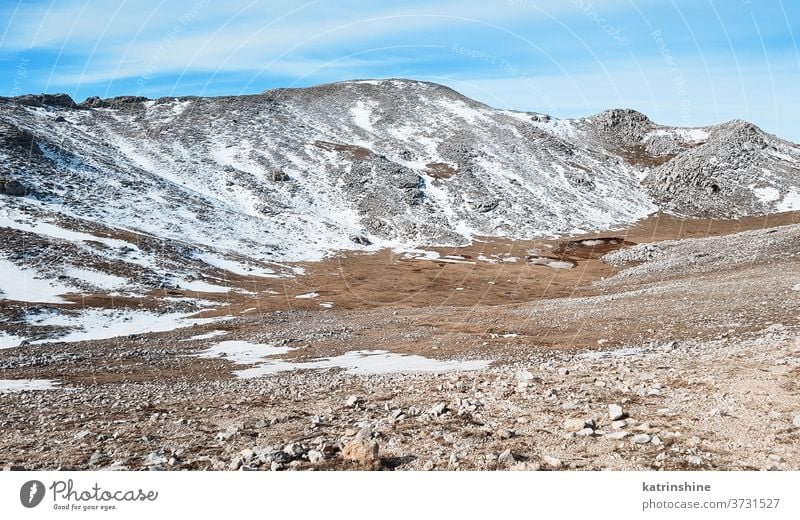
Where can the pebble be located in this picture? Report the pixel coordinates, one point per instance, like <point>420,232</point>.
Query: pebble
<point>641,438</point>
<point>352,401</point>
<point>796,421</point>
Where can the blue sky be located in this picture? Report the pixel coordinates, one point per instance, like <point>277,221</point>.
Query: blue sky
<point>681,62</point>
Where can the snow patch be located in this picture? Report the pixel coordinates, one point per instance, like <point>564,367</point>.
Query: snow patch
<point>209,335</point>
<point>26,285</point>
<point>95,324</point>
<point>243,352</point>
<point>8,386</point>
<point>367,362</point>
<point>790,202</point>
<point>96,278</point>
<point>767,194</point>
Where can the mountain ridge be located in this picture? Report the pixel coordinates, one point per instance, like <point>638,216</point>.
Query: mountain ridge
<point>296,174</point>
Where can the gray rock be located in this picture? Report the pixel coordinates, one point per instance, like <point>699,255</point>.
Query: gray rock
<point>574,425</point>
<point>796,421</point>
<point>507,458</point>
<point>352,401</point>
<point>551,461</point>
<point>315,457</point>
<point>14,188</point>
<point>155,459</point>
<point>641,438</point>
<point>438,409</point>
<point>615,412</point>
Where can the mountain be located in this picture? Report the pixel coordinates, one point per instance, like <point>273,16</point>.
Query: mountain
<point>173,187</point>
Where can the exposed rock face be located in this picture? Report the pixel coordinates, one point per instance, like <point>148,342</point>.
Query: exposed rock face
<point>45,100</point>
<point>738,171</point>
<point>292,173</point>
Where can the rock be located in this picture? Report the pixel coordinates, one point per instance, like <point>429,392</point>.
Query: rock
<point>618,425</point>
<point>82,434</point>
<point>14,188</point>
<point>155,459</point>
<point>352,401</point>
<point>294,449</point>
<point>615,412</point>
<point>39,100</point>
<point>506,458</point>
<point>235,464</point>
<point>526,466</point>
<point>365,433</point>
<point>615,436</point>
<point>553,462</point>
<point>506,433</point>
<point>438,409</point>
<point>227,434</point>
<point>247,455</point>
<point>96,458</point>
<point>279,176</point>
<point>585,432</point>
<point>361,240</point>
<point>796,421</point>
<point>575,425</point>
<point>694,460</point>
<point>641,438</point>
<point>360,451</point>
<point>315,457</point>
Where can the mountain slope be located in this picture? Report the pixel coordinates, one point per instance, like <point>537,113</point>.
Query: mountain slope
<point>291,174</point>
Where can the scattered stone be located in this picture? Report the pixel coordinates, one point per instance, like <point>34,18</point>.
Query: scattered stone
<point>796,421</point>
<point>615,436</point>
<point>551,461</point>
<point>616,413</point>
<point>506,458</point>
<point>506,434</point>
<point>438,409</point>
<point>315,457</point>
<point>352,401</point>
<point>641,438</point>
<point>361,451</point>
<point>155,459</point>
<point>694,460</point>
<point>574,425</point>
<point>618,425</point>
<point>96,458</point>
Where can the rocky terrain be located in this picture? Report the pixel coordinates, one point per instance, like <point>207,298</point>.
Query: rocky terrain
<point>388,275</point>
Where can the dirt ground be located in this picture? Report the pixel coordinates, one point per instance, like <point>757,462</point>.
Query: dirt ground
<point>700,351</point>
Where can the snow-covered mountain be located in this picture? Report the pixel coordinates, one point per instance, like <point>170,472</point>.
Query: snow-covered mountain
<point>239,183</point>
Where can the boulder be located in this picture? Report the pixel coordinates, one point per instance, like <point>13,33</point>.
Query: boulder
<point>13,188</point>
<point>361,451</point>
